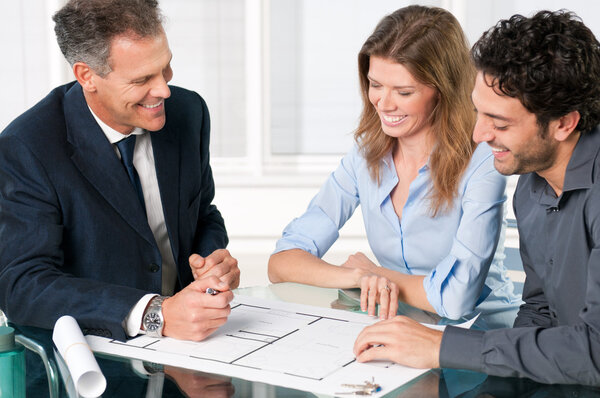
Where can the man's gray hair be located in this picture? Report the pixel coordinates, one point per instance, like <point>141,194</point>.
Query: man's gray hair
<point>85,28</point>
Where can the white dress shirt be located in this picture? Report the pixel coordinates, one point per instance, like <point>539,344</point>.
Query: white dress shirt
<point>143,160</point>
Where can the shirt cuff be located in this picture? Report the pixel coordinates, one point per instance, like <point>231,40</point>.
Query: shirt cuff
<point>462,349</point>
<point>133,321</point>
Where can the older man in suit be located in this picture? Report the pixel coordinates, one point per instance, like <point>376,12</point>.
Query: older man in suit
<point>106,189</point>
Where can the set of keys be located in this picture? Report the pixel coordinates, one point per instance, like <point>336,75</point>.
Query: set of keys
<point>364,389</point>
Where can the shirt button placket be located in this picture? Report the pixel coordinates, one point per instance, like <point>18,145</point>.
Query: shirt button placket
<point>551,230</point>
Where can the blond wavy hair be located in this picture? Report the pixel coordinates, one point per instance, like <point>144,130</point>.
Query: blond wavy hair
<point>430,43</point>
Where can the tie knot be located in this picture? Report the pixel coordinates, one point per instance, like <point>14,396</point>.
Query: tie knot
<point>126,146</point>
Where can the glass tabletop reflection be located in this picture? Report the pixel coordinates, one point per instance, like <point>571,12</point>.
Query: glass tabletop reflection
<point>134,378</point>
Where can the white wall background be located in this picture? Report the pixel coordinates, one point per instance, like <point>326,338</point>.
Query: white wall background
<point>279,77</point>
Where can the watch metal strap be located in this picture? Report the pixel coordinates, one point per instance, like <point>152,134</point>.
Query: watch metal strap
<point>155,306</point>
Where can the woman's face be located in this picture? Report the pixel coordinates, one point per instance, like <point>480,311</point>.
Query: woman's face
<point>404,105</point>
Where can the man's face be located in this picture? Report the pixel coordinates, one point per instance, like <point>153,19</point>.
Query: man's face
<point>518,143</point>
<point>133,93</point>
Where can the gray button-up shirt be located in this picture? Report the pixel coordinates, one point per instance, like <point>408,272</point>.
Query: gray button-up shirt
<point>556,338</point>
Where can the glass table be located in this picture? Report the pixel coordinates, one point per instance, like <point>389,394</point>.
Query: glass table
<point>132,378</point>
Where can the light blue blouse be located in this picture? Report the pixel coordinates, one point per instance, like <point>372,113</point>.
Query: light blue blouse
<point>454,250</point>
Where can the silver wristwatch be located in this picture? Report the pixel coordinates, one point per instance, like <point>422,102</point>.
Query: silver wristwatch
<point>153,318</point>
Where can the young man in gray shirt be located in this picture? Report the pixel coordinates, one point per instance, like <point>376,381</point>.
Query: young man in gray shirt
<point>537,98</point>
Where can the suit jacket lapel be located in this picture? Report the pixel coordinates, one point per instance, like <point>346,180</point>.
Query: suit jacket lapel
<point>96,159</point>
<point>165,145</point>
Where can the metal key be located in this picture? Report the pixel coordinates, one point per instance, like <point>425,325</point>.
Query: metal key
<point>366,388</point>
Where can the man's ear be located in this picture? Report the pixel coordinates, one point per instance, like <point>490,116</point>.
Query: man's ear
<point>85,76</point>
<point>565,125</point>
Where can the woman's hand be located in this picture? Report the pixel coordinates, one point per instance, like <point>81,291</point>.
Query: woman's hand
<point>375,289</point>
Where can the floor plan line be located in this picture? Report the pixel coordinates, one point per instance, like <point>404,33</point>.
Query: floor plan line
<point>322,317</point>
<point>258,334</point>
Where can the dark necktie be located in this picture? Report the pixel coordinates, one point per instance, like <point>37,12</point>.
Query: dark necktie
<point>126,147</point>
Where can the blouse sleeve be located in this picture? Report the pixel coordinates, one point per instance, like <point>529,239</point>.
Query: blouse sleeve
<point>457,284</point>
<point>317,229</point>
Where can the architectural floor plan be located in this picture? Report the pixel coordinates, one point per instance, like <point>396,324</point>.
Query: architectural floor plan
<point>291,345</point>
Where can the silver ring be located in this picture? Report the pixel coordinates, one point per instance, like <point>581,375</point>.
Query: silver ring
<point>387,288</point>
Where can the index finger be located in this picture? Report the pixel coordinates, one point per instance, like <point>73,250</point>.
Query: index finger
<point>372,297</point>
<point>364,290</point>
<point>384,302</point>
<point>393,300</point>
<point>210,281</point>
<point>372,335</point>
<point>364,340</point>
<point>219,301</point>
<point>372,353</point>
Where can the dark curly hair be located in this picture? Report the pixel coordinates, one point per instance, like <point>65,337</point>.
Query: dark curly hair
<point>550,62</point>
<point>85,28</point>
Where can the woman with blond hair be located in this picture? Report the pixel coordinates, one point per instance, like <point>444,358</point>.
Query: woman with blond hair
<point>432,202</point>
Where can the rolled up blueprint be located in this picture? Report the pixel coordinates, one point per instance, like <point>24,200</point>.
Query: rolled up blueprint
<point>85,372</point>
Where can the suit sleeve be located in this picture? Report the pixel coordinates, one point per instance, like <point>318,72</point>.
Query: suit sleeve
<point>34,288</point>
<point>210,232</point>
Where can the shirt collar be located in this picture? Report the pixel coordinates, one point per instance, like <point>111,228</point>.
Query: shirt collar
<point>111,134</point>
<point>580,169</point>
<point>389,163</point>
<point>389,177</point>
<point>579,173</point>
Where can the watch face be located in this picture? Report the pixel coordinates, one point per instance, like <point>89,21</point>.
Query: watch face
<point>152,322</point>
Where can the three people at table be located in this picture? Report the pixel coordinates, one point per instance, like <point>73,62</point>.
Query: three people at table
<point>78,239</point>
<point>432,202</point>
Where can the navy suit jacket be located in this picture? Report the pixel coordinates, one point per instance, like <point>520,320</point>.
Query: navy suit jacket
<point>73,238</point>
